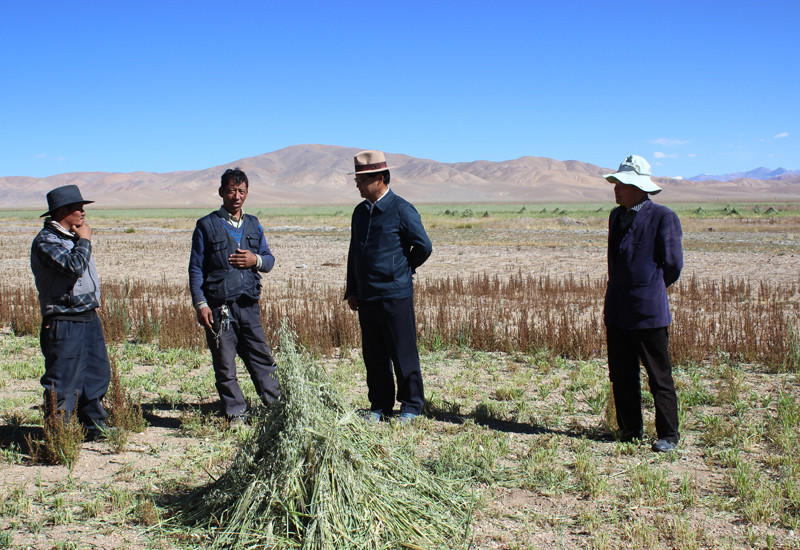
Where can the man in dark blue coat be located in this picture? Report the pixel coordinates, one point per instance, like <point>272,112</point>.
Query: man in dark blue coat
<point>229,253</point>
<point>387,244</point>
<point>644,258</point>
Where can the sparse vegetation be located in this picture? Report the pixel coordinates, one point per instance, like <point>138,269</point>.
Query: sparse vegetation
<point>517,414</point>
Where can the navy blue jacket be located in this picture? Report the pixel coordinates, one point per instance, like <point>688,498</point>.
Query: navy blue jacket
<point>212,278</point>
<point>649,259</point>
<point>386,247</point>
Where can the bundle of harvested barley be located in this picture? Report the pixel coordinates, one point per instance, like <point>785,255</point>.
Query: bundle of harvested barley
<point>314,476</point>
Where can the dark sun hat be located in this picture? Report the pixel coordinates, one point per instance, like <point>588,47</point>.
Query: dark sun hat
<point>62,196</point>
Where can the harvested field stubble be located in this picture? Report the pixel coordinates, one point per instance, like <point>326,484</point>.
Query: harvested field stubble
<point>735,318</point>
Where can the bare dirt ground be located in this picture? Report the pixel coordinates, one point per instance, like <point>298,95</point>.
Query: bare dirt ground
<point>154,251</point>
<point>320,253</point>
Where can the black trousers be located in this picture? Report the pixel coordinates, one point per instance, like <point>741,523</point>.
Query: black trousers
<point>242,334</point>
<point>76,366</point>
<point>389,344</point>
<point>625,349</point>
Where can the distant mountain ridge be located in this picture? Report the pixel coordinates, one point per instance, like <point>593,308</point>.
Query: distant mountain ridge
<point>756,174</point>
<point>317,174</point>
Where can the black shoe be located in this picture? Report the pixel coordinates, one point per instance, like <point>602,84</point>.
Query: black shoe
<point>664,446</point>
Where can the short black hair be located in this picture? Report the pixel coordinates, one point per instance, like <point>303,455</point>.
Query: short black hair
<point>235,176</point>
<point>385,175</point>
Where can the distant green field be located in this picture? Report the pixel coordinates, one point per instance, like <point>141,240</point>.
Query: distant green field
<point>476,210</point>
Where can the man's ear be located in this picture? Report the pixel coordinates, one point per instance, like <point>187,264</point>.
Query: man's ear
<point>219,191</point>
<point>59,214</point>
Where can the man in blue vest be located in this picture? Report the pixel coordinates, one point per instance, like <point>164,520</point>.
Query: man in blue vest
<point>387,244</point>
<point>644,258</point>
<point>77,369</point>
<point>229,253</point>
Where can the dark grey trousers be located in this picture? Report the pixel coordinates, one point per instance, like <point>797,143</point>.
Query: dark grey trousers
<point>625,349</point>
<point>243,334</point>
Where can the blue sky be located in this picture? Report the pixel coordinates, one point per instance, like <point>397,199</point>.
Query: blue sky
<point>120,86</point>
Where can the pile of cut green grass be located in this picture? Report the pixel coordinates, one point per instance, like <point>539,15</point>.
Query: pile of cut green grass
<point>315,476</point>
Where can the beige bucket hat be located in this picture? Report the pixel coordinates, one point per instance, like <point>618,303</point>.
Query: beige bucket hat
<point>368,162</point>
<point>634,170</point>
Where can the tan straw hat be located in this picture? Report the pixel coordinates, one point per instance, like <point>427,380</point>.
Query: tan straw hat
<point>368,162</point>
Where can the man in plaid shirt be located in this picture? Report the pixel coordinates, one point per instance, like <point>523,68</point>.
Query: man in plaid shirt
<point>77,368</point>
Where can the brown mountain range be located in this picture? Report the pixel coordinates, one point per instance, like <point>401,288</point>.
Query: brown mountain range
<point>316,174</point>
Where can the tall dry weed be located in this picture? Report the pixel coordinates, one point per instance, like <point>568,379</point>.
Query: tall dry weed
<point>62,436</point>
<point>731,318</point>
<point>125,412</point>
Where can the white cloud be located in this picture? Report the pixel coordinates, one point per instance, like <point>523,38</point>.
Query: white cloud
<point>692,155</point>
<point>662,155</point>
<point>668,142</point>
<point>781,135</point>
<point>41,155</point>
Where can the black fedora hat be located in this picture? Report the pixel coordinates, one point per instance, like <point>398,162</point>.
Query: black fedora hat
<point>62,196</point>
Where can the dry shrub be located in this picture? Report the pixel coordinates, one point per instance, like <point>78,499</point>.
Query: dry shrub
<point>124,412</point>
<point>19,309</point>
<point>62,438</point>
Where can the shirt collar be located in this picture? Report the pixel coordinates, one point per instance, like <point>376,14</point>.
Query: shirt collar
<point>58,228</point>
<point>637,206</point>
<point>228,217</point>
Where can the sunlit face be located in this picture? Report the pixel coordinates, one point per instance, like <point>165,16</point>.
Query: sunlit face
<point>370,186</point>
<point>71,216</point>
<point>627,195</point>
<point>233,197</point>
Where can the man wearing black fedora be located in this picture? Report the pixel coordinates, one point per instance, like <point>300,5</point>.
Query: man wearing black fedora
<point>75,358</point>
<point>387,244</point>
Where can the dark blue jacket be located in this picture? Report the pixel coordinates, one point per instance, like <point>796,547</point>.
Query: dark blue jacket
<point>649,259</point>
<point>212,278</point>
<point>385,249</point>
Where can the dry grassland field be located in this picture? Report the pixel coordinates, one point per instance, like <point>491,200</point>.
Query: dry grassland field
<point>512,348</point>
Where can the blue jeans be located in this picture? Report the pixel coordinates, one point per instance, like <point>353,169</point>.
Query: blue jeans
<point>76,368</point>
